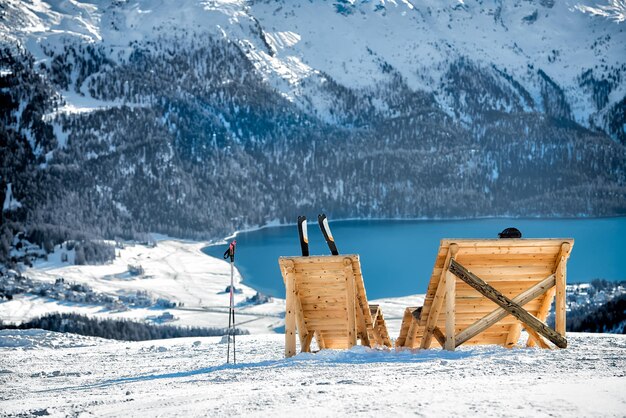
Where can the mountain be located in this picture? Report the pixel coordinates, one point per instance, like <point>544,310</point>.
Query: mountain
<point>196,118</point>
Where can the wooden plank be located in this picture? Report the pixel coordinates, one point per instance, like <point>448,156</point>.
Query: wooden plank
<point>339,314</point>
<point>513,335</point>
<point>290,312</point>
<point>464,313</point>
<point>468,320</point>
<point>404,327</point>
<point>350,301</point>
<point>322,300</point>
<point>510,271</point>
<point>305,346</point>
<point>487,341</point>
<point>510,242</point>
<point>507,304</point>
<point>411,333</point>
<point>561,273</point>
<point>327,286</point>
<point>319,259</point>
<point>508,260</point>
<point>320,306</point>
<point>546,304</point>
<point>322,292</point>
<point>478,251</point>
<point>433,315</point>
<point>362,327</point>
<point>440,337</point>
<point>486,304</point>
<point>319,268</point>
<point>450,306</point>
<point>381,329</point>
<point>303,332</point>
<point>320,340</point>
<point>536,338</point>
<point>325,323</point>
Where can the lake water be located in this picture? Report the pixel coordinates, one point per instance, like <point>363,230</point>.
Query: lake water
<point>397,256</point>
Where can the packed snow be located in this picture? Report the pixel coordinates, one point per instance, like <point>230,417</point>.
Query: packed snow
<point>62,375</point>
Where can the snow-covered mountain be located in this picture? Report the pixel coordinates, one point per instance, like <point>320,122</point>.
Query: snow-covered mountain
<point>199,117</point>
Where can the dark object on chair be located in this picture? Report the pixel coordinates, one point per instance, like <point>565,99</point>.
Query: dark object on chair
<point>510,233</point>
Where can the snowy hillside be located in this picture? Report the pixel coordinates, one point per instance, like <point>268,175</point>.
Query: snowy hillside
<point>174,271</point>
<point>44,373</point>
<point>359,44</point>
<point>177,278</point>
<point>212,116</point>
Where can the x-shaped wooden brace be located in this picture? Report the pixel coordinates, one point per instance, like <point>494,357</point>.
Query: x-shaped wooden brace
<point>514,307</point>
<point>532,324</point>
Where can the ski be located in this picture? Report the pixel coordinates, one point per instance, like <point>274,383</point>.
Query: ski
<point>328,236</point>
<point>304,235</point>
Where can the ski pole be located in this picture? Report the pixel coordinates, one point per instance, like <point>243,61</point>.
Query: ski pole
<point>230,253</point>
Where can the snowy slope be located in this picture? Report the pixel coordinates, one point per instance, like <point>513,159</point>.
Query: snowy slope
<point>188,377</point>
<point>360,44</point>
<point>174,270</point>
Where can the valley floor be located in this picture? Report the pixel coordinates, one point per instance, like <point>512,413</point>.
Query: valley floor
<point>67,375</point>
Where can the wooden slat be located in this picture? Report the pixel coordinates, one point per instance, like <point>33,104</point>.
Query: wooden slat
<point>440,337</point>
<point>340,314</point>
<point>303,332</point>
<point>290,312</point>
<point>513,335</point>
<point>450,306</point>
<point>350,299</point>
<point>478,251</point>
<point>319,259</point>
<point>320,340</point>
<point>429,324</point>
<point>560,288</point>
<point>325,323</point>
<point>536,338</point>
<point>322,300</point>
<point>505,243</point>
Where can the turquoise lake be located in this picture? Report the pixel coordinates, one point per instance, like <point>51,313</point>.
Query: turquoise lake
<point>397,256</point>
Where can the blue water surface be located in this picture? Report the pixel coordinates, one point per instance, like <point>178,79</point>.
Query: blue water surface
<point>397,256</point>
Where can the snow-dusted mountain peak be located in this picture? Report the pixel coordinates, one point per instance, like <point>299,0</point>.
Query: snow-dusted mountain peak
<point>518,88</point>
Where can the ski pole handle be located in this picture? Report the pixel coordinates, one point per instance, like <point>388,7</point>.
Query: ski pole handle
<point>230,251</point>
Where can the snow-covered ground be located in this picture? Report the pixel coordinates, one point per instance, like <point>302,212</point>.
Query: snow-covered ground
<point>64,375</point>
<point>177,271</point>
<point>44,372</point>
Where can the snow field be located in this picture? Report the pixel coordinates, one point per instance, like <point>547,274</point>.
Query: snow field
<point>188,377</point>
<point>175,270</point>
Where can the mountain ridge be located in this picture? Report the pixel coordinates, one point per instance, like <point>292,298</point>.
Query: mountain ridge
<point>214,116</point>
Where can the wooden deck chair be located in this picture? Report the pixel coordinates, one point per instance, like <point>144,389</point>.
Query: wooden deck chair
<point>488,291</point>
<point>326,299</point>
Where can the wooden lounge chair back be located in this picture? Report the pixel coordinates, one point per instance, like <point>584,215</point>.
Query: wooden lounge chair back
<point>326,298</point>
<point>527,272</point>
